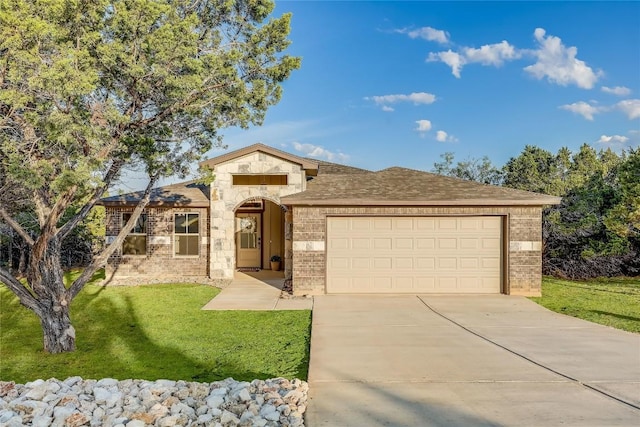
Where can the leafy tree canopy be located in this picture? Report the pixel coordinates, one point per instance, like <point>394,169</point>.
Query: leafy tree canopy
<point>88,87</point>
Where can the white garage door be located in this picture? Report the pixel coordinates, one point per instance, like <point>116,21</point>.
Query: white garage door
<point>414,254</point>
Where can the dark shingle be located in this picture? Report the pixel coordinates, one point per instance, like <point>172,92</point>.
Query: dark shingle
<point>401,186</point>
<point>184,194</point>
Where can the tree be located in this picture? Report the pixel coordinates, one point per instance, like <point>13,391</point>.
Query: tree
<point>479,170</point>
<point>89,87</point>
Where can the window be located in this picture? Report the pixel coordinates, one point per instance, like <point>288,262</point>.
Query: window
<point>186,234</point>
<point>259,179</point>
<point>136,241</point>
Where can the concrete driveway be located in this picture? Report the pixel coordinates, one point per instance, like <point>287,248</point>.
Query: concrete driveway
<point>466,361</point>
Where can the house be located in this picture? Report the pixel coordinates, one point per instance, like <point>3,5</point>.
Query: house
<point>339,229</point>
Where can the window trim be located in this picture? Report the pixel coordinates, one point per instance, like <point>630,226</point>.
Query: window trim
<point>261,177</point>
<point>145,233</point>
<point>199,234</point>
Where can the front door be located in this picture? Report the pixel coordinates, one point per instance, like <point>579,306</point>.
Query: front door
<point>248,245</point>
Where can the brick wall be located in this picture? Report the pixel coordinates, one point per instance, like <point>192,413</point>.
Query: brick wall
<point>522,254</point>
<point>160,263</point>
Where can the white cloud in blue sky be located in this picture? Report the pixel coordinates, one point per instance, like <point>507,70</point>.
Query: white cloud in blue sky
<point>417,98</point>
<point>427,33</point>
<point>582,108</point>
<point>423,125</point>
<point>318,152</point>
<point>618,90</point>
<point>554,61</point>
<point>612,139</point>
<point>559,63</point>
<point>630,107</point>
<point>376,81</point>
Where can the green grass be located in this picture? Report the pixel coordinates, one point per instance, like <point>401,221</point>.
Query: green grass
<point>612,302</point>
<point>156,331</point>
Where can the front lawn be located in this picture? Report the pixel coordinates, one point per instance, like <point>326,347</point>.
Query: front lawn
<point>156,331</point>
<point>611,302</point>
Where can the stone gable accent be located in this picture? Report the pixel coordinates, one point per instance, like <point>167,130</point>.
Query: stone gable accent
<point>227,198</point>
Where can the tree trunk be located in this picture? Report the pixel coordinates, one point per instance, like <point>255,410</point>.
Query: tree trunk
<point>59,334</point>
<point>45,276</point>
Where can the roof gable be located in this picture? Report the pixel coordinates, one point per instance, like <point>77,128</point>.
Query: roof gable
<point>184,194</point>
<point>306,164</point>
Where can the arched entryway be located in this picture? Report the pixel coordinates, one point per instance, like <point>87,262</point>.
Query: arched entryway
<point>259,233</point>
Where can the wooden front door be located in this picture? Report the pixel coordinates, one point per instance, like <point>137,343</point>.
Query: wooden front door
<point>248,240</point>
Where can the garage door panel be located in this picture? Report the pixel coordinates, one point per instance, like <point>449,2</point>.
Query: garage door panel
<point>447,224</point>
<point>468,243</point>
<point>425,224</point>
<point>426,263</point>
<point>382,224</point>
<point>403,243</point>
<point>447,243</point>
<point>382,243</point>
<point>469,263</point>
<point>404,263</point>
<point>403,224</point>
<point>425,243</point>
<point>414,254</point>
<point>488,243</point>
<point>382,263</point>
<point>338,263</point>
<point>447,263</point>
<point>381,284</point>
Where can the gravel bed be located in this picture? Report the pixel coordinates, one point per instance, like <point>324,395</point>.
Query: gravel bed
<point>76,402</point>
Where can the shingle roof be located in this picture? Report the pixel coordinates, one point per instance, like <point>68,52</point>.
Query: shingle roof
<point>184,194</point>
<point>325,168</point>
<point>399,186</point>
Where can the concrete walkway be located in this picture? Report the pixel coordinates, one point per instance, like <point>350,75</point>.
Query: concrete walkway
<point>466,360</point>
<point>256,291</point>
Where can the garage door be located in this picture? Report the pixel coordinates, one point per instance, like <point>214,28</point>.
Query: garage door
<point>414,254</point>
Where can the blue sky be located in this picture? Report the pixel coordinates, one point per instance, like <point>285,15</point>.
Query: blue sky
<point>389,83</point>
<point>399,83</point>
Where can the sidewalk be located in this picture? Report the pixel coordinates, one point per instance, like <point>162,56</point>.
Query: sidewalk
<point>258,290</point>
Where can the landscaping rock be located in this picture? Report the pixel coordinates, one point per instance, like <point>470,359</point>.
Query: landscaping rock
<point>75,402</point>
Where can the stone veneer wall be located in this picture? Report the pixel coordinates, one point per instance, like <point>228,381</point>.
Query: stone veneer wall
<point>160,263</point>
<point>226,198</point>
<point>523,242</point>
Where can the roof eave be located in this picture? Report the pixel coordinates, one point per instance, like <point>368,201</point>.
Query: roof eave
<point>304,163</point>
<point>457,202</point>
<point>153,204</point>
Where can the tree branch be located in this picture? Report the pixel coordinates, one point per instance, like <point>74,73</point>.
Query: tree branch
<point>100,260</point>
<point>16,226</point>
<point>23,293</point>
<point>97,194</point>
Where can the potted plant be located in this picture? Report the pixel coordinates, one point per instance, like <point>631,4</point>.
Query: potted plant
<point>275,262</point>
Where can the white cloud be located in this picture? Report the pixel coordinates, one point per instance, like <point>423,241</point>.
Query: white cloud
<point>423,126</point>
<point>488,54</point>
<point>631,107</point>
<point>559,64</point>
<point>451,58</point>
<point>613,139</point>
<point>416,98</point>
<point>584,109</point>
<point>318,152</point>
<point>492,54</point>
<point>618,90</point>
<point>428,33</point>
<point>441,136</point>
